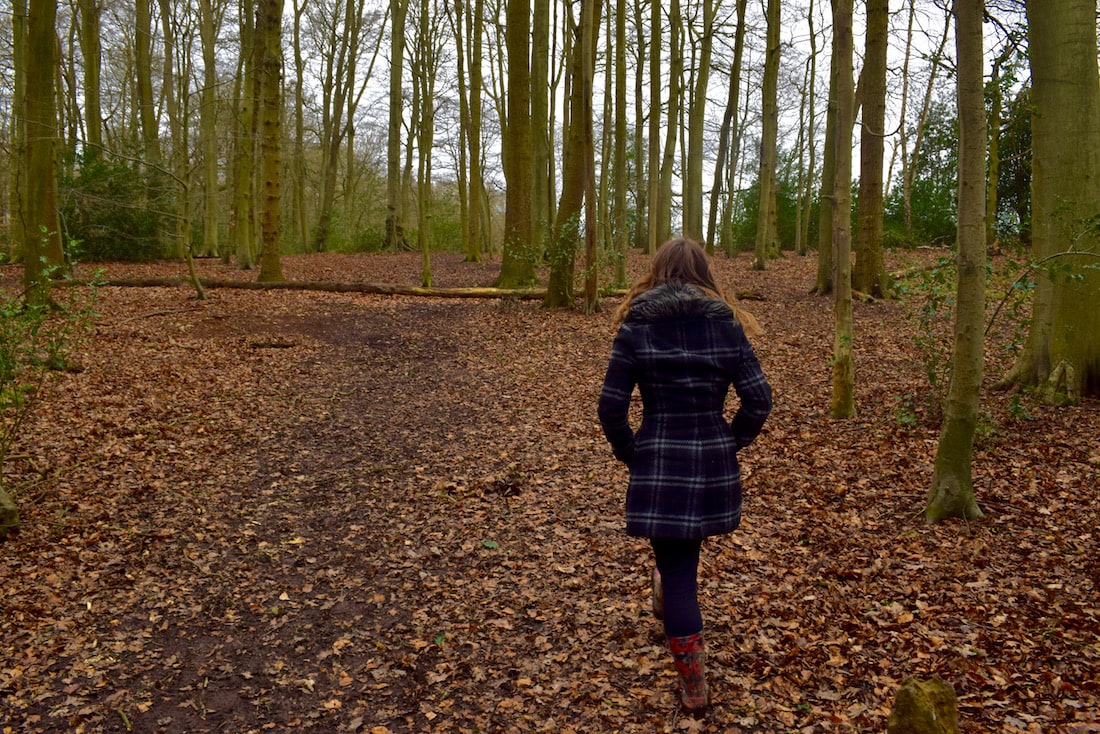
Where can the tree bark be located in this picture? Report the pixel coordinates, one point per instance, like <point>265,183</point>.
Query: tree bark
<point>1062,352</point>
<point>693,165</point>
<point>843,399</point>
<point>952,490</point>
<point>869,275</point>
<point>517,267</point>
<point>395,226</point>
<point>767,238</point>
<point>269,20</point>
<point>42,227</point>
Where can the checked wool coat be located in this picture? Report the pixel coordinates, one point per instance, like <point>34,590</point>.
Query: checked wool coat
<point>683,350</point>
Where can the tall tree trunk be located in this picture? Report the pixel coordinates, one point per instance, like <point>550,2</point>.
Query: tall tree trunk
<point>843,403</point>
<point>300,225</point>
<point>269,23</point>
<point>517,267</point>
<point>541,191</point>
<point>1062,352</point>
<point>590,22</point>
<point>641,165</point>
<point>806,192</point>
<point>693,165</point>
<point>826,209</point>
<point>395,227</point>
<point>870,269</point>
<point>17,190</point>
<point>90,48</point>
<point>243,228</point>
<point>952,490</point>
<point>621,236</point>
<point>42,228</point>
<point>208,121</point>
<point>426,139</point>
<point>653,170</point>
<point>767,238</point>
<point>663,210</point>
<point>479,210</point>
<point>726,130</point>
<point>457,19</point>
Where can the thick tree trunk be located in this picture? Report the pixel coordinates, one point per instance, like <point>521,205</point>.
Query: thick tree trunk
<point>208,120</point>
<point>825,248</point>
<point>90,48</point>
<point>952,491</point>
<point>42,227</point>
<point>517,267</point>
<point>1062,353</point>
<point>242,226</point>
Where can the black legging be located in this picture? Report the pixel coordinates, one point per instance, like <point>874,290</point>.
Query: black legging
<point>678,562</point>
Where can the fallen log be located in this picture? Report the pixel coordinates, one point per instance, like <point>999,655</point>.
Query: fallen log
<point>389,289</point>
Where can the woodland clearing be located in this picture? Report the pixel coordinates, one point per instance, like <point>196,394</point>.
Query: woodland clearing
<point>302,511</point>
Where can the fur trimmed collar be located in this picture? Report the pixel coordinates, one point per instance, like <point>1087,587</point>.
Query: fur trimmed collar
<point>673,300</point>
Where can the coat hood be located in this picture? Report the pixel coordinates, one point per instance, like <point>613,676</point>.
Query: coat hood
<point>674,300</point>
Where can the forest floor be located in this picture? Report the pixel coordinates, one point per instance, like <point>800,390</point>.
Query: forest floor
<point>305,511</point>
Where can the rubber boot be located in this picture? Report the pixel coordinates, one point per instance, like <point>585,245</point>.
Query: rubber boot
<point>687,652</point>
<point>657,596</point>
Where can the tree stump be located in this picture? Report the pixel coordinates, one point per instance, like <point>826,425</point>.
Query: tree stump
<point>924,707</point>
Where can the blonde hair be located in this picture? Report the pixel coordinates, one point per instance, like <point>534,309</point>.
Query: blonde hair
<point>683,260</point>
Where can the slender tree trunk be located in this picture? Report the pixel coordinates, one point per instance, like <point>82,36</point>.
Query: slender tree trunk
<point>725,131</point>
<point>654,168</point>
<point>479,211</point>
<point>641,166</point>
<point>811,122</point>
<point>426,140</point>
<point>269,19</point>
<point>826,210</point>
<point>767,238</point>
<point>672,126</point>
<point>243,223</point>
<point>843,399</point>
<point>17,191</point>
<point>693,165</point>
<point>621,236</point>
<point>541,191</point>
<point>208,120</point>
<point>952,490</point>
<point>869,275</point>
<point>395,228</point>
<point>300,226</point>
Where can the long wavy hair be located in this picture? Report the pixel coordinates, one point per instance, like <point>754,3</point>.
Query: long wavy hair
<point>682,260</point>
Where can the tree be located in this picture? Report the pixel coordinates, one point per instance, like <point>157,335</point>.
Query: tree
<point>693,165</point>
<point>91,49</point>
<point>727,132</point>
<point>395,228</point>
<point>209,23</point>
<point>869,275</point>
<point>38,199</point>
<point>620,234</point>
<point>575,155</point>
<point>517,267</point>
<point>242,226</point>
<point>952,490</point>
<point>767,239</point>
<point>843,400</point>
<point>653,155</point>
<point>1062,352</point>
<point>269,23</point>
<point>663,205</point>
<point>827,211</point>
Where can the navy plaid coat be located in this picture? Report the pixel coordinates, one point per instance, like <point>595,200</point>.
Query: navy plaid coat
<point>683,350</point>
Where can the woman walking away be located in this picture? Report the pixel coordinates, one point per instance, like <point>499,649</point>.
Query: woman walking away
<point>683,343</point>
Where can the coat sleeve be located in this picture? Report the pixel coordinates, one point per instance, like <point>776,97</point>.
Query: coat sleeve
<point>753,390</point>
<point>614,405</point>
